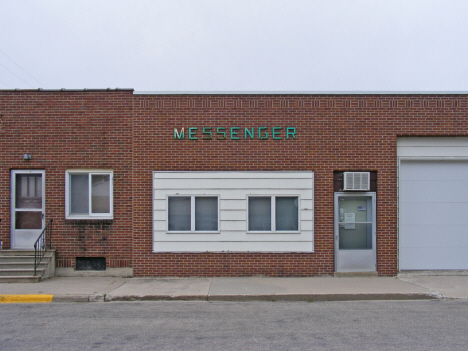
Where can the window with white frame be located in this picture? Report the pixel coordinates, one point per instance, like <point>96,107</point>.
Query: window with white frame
<point>273,214</point>
<point>192,213</point>
<point>89,195</point>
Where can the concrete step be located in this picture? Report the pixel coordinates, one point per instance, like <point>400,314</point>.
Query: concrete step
<point>20,272</point>
<point>26,253</point>
<point>355,274</point>
<point>18,266</point>
<point>22,265</point>
<point>16,252</point>
<point>25,259</point>
<point>19,279</point>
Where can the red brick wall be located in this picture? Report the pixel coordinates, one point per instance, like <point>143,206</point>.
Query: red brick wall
<point>334,133</point>
<point>64,130</point>
<point>101,130</point>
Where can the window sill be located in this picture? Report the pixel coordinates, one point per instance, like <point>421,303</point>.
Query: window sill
<point>89,218</point>
<point>200,232</point>
<point>275,233</point>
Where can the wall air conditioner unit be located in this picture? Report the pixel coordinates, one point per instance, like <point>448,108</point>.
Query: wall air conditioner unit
<point>356,181</point>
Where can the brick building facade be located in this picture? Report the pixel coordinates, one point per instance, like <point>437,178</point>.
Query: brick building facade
<point>131,137</point>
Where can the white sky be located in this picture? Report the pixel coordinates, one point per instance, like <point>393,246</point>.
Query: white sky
<point>235,45</point>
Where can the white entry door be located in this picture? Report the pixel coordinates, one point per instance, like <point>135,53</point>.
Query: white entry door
<point>27,207</point>
<point>355,232</point>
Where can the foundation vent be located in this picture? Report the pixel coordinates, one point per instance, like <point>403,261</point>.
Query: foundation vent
<point>90,264</point>
<point>356,181</point>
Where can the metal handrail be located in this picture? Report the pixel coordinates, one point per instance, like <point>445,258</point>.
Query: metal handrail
<point>40,247</point>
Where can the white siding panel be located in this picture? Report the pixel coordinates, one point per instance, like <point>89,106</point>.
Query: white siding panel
<point>234,236</point>
<point>233,188</point>
<point>231,175</point>
<point>307,215</point>
<point>307,226</point>
<point>159,215</point>
<point>233,194</point>
<point>230,215</point>
<point>159,204</point>
<point>233,204</point>
<point>262,246</point>
<point>252,184</point>
<point>240,226</point>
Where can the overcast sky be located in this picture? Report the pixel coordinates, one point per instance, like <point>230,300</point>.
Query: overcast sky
<point>235,45</point>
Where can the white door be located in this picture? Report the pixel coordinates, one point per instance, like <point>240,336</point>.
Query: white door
<point>433,210</point>
<point>355,232</point>
<point>27,207</point>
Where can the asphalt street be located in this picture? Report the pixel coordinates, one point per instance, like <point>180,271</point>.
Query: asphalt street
<point>202,325</point>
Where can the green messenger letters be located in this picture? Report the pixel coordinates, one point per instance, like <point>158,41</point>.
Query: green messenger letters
<point>236,133</point>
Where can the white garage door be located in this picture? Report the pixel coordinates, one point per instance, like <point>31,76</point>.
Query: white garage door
<point>433,203</point>
<point>433,215</point>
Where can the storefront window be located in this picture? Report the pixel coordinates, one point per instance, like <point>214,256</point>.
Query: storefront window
<point>192,214</point>
<point>273,214</point>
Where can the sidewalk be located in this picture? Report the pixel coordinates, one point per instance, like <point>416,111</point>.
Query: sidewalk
<point>100,289</point>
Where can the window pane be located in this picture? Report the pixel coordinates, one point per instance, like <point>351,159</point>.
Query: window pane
<point>259,213</point>
<point>28,220</point>
<point>100,193</point>
<point>179,213</point>
<point>355,236</point>
<point>206,213</point>
<point>79,194</point>
<point>286,213</point>
<point>38,185</point>
<point>28,191</point>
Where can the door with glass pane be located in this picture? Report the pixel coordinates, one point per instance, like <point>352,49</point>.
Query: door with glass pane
<point>27,207</point>
<point>355,232</point>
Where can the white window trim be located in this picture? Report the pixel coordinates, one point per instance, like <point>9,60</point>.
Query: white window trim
<point>110,215</point>
<point>273,216</point>
<point>192,216</point>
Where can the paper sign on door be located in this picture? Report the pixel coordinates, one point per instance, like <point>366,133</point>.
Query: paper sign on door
<point>350,217</point>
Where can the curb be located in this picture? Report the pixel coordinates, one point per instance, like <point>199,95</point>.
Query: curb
<point>286,297</point>
<point>38,298</point>
<point>325,297</point>
<point>239,298</point>
<point>157,298</point>
<point>71,298</point>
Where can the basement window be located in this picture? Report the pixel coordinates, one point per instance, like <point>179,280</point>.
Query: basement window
<point>90,264</point>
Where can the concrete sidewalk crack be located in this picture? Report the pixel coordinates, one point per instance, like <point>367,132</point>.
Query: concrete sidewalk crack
<point>436,294</point>
<point>209,289</point>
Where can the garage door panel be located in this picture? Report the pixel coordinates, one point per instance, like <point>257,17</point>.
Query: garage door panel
<point>435,191</point>
<point>433,258</point>
<point>433,213</point>
<point>433,170</point>
<point>433,236</point>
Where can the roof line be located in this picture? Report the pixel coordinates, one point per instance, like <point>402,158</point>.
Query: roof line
<point>66,90</point>
<point>301,92</point>
<point>266,92</point>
